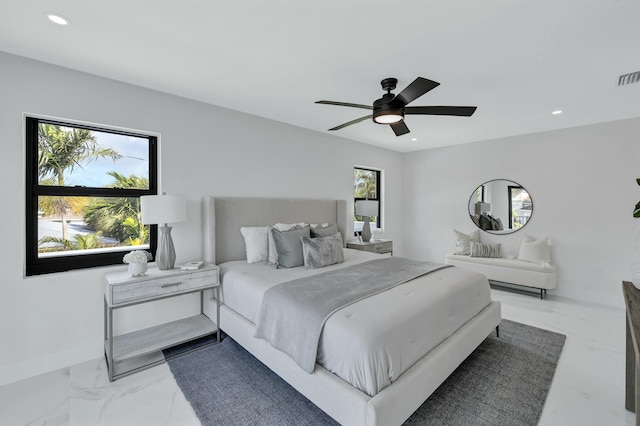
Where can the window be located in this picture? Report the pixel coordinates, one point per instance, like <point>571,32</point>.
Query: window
<point>520,207</point>
<point>366,186</point>
<point>83,188</point>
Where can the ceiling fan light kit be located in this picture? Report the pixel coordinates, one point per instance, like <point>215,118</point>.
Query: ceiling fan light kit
<point>390,109</point>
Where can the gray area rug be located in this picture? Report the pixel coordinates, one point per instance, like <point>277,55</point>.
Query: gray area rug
<point>504,382</point>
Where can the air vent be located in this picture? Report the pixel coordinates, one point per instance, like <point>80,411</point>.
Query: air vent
<point>632,77</point>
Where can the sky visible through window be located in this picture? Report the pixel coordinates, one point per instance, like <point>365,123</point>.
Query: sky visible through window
<point>135,160</point>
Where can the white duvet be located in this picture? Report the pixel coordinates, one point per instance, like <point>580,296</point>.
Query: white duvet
<point>370,343</point>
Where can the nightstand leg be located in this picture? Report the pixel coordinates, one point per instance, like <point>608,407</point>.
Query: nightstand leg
<point>110,365</point>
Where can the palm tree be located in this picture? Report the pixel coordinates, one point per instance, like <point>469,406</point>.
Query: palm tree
<point>364,182</point>
<point>119,218</point>
<point>61,150</point>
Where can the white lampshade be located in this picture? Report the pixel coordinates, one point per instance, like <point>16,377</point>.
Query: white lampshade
<point>368,208</point>
<point>158,209</point>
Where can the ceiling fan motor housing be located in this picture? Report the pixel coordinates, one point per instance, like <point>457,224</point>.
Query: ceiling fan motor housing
<point>383,107</point>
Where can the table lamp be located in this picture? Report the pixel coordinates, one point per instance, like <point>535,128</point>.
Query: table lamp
<point>366,209</point>
<point>161,210</point>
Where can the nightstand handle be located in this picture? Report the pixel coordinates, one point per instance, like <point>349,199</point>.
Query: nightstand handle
<point>169,285</point>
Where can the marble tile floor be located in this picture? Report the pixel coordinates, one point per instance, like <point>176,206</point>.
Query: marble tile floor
<point>588,388</point>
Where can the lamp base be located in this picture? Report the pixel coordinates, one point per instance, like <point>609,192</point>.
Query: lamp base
<point>366,231</point>
<point>166,254</point>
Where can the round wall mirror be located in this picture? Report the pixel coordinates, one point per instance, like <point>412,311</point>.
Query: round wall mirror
<point>500,206</point>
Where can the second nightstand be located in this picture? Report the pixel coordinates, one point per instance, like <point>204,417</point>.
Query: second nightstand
<point>374,246</point>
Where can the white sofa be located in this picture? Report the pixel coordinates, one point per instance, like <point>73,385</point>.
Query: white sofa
<point>509,270</point>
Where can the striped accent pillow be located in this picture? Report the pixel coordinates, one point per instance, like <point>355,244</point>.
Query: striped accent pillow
<point>485,250</point>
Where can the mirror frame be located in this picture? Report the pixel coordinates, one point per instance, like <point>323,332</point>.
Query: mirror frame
<point>485,220</point>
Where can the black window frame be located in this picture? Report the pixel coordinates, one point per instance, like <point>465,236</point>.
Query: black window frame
<point>510,189</point>
<point>377,195</point>
<point>34,265</point>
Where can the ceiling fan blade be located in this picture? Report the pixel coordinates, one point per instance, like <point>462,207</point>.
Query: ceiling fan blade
<point>419,87</point>
<point>357,120</point>
<point>399,128</point>
<point>347,104</point>
<point>463,111</point>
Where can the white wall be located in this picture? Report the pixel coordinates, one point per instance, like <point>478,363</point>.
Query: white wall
<point>52,321</point>
<point>581,181</point>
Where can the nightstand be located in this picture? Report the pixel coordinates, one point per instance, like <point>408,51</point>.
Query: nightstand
<point>138,350</point>
<point>374,246</point>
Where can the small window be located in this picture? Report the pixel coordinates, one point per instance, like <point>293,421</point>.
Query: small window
<point>83,195</point>
<point>520,207</point>
<point>366,186</point>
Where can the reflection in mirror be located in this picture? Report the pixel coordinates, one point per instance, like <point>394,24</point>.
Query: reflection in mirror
<point>500,206</point>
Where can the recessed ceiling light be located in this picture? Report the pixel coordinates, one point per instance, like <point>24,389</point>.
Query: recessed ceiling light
<point>57,19</point>
<point>556,112</point>
<point>414,139</point>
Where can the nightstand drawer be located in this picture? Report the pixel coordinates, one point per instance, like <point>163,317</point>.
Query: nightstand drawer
<point>382,247</point>
<point>379,246</point>
<point>157,287</point>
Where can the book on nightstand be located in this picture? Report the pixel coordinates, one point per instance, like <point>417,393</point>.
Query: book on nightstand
<point>192,265</point>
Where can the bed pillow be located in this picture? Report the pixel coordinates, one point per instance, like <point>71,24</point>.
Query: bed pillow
<point>322,251</point>
<point>535,251</point>
<point>272,258</point>
<point>463,241</point>
<point>326,231</point>
<point>289,246</point>
<point>484,250</point>
<point>256,243</point>
<point>288,226</point>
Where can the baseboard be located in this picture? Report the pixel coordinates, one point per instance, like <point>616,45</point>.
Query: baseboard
<point>516,288</point>
<point>11,373</point>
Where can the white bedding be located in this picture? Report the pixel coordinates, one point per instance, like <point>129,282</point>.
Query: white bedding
<point>371,342</point>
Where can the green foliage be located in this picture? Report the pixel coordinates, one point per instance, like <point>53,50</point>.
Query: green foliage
<point>88,241</point>
<point>61,150</point>
<point>119,217</point>
<point>80,242</point>
<point>364,183</point>
<point>62,244</point>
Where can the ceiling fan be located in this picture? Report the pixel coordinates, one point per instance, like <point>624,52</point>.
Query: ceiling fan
<point>390,109</point>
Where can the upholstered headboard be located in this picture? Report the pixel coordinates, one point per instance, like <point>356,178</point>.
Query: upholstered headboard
<point>224,216</point>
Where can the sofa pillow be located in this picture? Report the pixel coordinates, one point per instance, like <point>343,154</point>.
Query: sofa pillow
<point>485,250</point>
<point>289,246</point>
<point>485,223</point>
<point>325,231</point>
<point>322,251</point>
<point>535,251</point>
<point>255,242</point>
<point>463,241</point>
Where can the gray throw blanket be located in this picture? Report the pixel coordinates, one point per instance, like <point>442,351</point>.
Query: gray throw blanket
<point>293,313</point>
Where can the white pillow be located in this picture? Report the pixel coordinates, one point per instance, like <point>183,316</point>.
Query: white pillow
<point>282,227</point>
<point>535,251</point>
<point>256,243</point>
<point>463,241</point>
<point>319,225</point>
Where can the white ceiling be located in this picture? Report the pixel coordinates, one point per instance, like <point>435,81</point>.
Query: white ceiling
<point>516,60</point>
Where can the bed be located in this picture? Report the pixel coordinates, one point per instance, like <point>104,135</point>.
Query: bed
<point>411,378</point>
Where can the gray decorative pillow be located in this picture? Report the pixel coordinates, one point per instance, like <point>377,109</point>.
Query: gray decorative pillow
<point>463,241</point>
<point>485,250</point>
<point>327,231</point>
<point>322,251</point>
<point>289,247</point>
